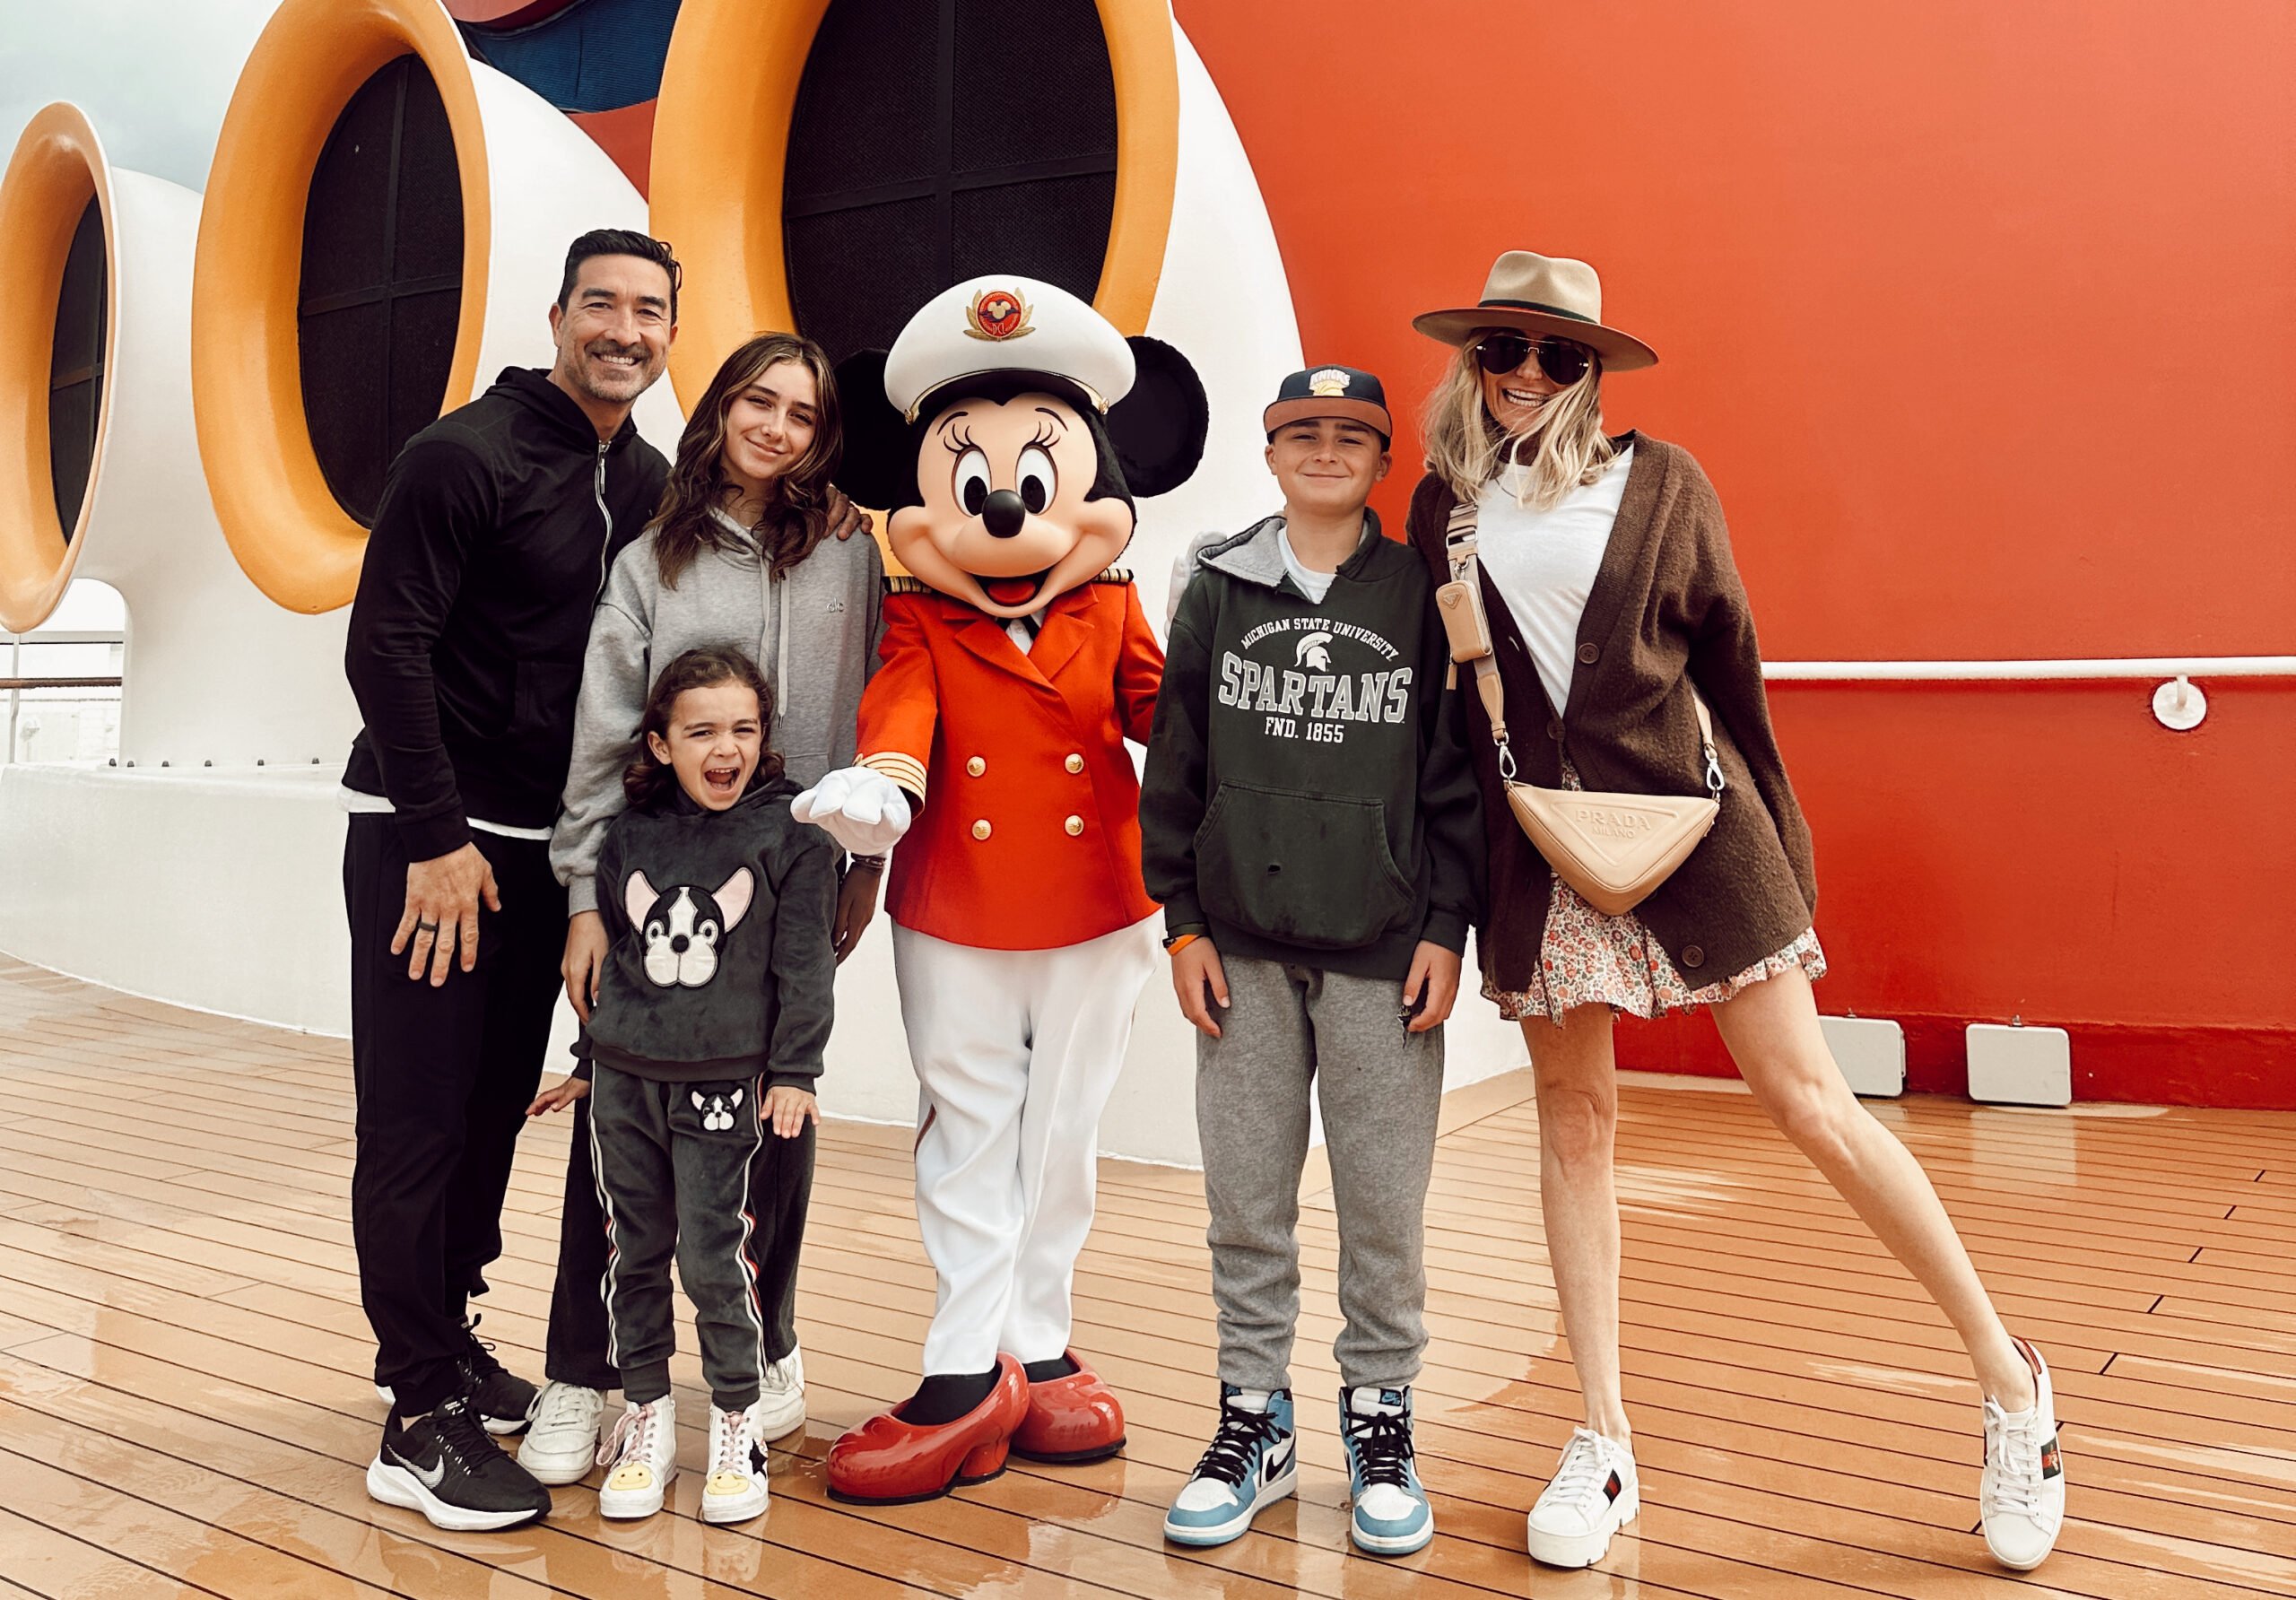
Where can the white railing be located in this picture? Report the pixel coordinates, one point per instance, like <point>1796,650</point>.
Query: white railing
<point>62,692</point>
<point>2178,703</point>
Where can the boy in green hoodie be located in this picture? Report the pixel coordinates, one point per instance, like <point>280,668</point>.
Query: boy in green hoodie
<point>1311,824</point>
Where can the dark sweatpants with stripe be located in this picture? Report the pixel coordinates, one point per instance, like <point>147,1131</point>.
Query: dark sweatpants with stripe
<point>673,1178</point>
<point>781,1183</point>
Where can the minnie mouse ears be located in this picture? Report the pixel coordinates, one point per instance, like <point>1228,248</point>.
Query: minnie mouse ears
<point>1156,432</point>
<point>878,466</point>
<point>1159,429</point>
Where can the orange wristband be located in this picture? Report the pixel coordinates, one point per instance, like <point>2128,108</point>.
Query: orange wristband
<point>1182,942</point>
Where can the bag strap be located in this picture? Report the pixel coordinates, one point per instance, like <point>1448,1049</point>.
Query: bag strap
<point>1459,549</point>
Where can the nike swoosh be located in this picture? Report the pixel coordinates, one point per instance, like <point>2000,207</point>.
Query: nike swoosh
<point>431,1476</point>
<point>1277,1462</point>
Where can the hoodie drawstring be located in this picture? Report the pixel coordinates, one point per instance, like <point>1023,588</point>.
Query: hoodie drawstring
<point>781,662</point>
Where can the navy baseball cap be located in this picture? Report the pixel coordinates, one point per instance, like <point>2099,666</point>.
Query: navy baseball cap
<point>1330,392</point>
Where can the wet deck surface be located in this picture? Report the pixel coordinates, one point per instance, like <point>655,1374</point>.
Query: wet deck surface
<point>185,1406</point>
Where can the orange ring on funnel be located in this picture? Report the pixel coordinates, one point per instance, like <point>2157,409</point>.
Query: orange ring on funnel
<point>721,137</point>
<point>299,546</point>
<point>57,168</point>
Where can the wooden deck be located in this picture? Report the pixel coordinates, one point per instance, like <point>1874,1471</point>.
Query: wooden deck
<point>185,1406</point>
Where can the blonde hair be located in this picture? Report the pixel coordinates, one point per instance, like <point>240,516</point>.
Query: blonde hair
<point>1465,448</point>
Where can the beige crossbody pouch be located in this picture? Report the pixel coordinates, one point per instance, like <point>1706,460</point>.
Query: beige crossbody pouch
<point>1612,848</point>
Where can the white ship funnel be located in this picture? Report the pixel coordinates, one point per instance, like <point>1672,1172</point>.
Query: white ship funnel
<point>103,477</point>
<point>385,227</point>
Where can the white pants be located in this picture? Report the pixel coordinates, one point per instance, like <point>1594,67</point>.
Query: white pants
<point>1015,1052</point>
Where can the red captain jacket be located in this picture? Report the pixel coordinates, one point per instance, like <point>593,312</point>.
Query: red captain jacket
<point>1028,835</point>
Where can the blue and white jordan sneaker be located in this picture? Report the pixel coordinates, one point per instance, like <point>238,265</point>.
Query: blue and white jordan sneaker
<point>1392,1516</point>
<point>1253,1462</point>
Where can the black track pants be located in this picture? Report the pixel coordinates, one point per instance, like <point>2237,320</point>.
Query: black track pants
<point>444,1076</point>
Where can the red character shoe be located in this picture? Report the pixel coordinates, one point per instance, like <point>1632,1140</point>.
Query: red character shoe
<point>887,1462</point>
<point>1071,1419</point>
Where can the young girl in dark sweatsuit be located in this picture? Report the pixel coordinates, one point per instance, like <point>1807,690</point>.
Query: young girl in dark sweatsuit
<point>706,1040</point>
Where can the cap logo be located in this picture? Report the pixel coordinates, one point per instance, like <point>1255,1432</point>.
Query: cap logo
<point>1327,383</point>
<point>997,314</point>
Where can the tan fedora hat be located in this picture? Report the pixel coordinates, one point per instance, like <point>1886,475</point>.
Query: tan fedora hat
<point>1541,294</point>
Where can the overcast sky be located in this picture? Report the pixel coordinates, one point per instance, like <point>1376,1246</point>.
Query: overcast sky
<point>152,75</point>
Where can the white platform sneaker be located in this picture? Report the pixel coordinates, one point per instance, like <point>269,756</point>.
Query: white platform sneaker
<point>640,1457</point>
<point>780,1408</point>
<point>561,1444</point>
<point>736,1488</point>
<point>1594,1493</point>
<point>2021,1497</point>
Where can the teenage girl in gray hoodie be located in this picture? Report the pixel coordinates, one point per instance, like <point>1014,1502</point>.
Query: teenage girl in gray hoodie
<point>739,554</point>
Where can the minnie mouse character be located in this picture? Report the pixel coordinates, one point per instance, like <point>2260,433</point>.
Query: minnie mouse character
<point>1019,427</point>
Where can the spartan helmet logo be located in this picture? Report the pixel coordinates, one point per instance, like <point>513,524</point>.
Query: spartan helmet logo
<point>1314,652</point>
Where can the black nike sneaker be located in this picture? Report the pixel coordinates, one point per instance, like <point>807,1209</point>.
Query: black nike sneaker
<point>504,1401</point>
<point>446,1466</point>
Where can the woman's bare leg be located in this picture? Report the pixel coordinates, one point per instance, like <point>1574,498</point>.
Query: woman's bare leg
<point>1771,1029</point>
<point>1578,1098</point>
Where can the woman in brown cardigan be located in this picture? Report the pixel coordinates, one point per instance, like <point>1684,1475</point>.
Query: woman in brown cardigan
<point>1607,576</point>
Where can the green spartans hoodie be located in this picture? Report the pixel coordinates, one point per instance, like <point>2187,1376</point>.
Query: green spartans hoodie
<point>1307,797</point>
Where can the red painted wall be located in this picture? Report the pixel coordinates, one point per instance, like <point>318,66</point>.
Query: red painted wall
<point>1982,318</point>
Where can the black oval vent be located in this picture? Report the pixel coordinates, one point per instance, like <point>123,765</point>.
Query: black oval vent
<point>382,280</point>
<point>936,140</point>
<point>75,366</point>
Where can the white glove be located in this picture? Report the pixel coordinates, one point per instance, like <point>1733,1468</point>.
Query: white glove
<point>860,807</point>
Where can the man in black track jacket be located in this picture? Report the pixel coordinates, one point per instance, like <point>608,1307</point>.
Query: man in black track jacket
<point>496,528</point>
<point>1309,821</point>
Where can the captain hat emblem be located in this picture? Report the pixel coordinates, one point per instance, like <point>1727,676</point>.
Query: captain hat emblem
<point>964,330</point>
<point>997,314</point>
<point>1326,384</point>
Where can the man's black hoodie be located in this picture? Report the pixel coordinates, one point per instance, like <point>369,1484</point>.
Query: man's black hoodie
<point>496,528</point>
<point>1307,798</point>
<point>721,961</point>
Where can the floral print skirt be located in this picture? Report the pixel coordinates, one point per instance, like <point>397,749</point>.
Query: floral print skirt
<point>1588,959</point>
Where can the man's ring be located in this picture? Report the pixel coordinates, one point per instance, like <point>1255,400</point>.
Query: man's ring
<point>426,927</point>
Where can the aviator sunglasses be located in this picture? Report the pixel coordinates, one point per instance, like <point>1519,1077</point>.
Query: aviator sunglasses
<point>1560,360</point>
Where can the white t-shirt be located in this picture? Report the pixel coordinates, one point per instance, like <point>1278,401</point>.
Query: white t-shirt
<point>1542,563</point>
<point>1314,585</point>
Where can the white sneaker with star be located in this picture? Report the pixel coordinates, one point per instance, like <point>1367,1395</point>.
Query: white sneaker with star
<point>2021,1496</point>
<point>1594,1493</point>
<point>640,1457</point>
<point>735,1491</point>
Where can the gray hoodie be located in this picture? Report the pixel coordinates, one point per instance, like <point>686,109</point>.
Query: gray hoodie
<point>813,631</point>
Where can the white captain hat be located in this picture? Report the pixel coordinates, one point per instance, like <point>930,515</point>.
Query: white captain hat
<point>1001,323</point>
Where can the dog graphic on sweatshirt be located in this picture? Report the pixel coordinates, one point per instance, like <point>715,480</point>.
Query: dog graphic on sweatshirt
<point>681,925</point>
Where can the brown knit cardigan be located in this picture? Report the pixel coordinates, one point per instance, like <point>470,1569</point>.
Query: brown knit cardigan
<point>1666,610</point>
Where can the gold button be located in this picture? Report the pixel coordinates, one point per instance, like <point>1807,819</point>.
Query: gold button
<point>976,766</point>
<point>1075,764</point>
<point>1075,825</point>
<point>980,829</point>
